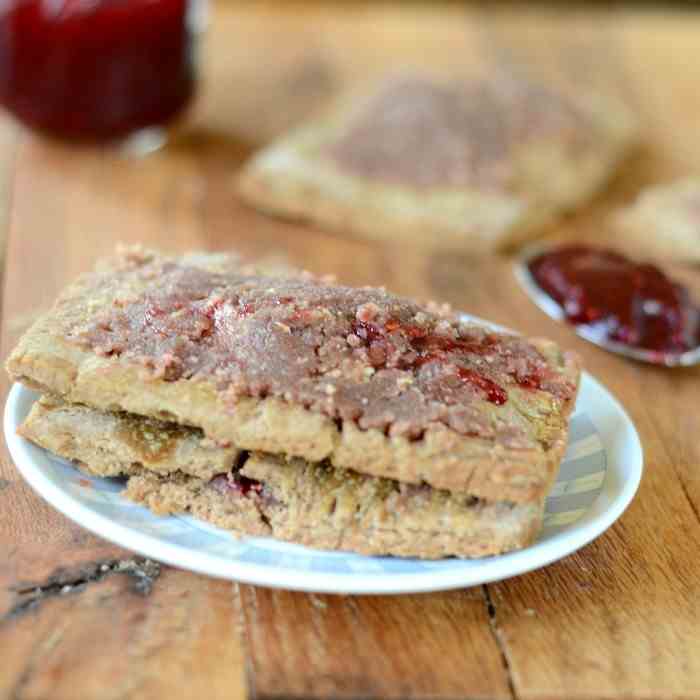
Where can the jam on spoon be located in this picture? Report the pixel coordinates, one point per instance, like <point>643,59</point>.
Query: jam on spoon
<point>633,304</point>
<point>98,70</point>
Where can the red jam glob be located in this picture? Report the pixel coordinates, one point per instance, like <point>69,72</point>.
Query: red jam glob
<point>236,484</point>
<point>95,69</point>
<point>632,304</point>
<point>428,347</point>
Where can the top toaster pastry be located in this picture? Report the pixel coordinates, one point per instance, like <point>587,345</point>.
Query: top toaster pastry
<point>297,366</point>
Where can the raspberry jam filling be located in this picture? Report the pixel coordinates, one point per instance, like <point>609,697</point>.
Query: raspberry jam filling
<point>236,484</point>
<point>630,303</point>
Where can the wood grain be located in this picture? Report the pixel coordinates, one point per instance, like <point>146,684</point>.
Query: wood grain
<point>619,619</point>
<point>372,647</point>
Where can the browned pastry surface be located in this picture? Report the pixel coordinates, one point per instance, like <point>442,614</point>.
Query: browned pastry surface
<point>118,444</point>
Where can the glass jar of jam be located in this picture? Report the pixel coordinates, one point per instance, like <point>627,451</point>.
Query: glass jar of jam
<point>96,70</point>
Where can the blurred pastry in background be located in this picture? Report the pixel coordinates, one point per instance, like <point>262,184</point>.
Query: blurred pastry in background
<point>477,164</point>
<point>664,221</point>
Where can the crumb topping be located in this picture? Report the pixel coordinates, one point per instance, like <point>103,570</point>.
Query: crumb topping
<point>359,355</point>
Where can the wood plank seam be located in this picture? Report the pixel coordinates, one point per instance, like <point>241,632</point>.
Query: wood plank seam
<point>500,641</point>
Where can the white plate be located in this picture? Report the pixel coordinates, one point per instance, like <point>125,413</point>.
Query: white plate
<point>597,480</point>
<point>599,477</point>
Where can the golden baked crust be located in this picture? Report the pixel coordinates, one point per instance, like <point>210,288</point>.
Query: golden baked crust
<point>663,222</point>
<point>335,509</point>
<point>491,464</point>
<point>530,153</point>
<point>119,444</point>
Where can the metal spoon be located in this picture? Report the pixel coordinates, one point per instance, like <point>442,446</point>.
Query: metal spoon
<point>591,333</point>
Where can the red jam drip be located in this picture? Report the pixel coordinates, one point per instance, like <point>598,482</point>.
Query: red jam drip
<point>244,485</point>
<point>369,332</point>
<point>434,347</point>
<point>95,70</point>
<point>248,308</point>
<point>494,393</point>
<point>530,381</point>
<point>429,347</point>
<point>630,303</point>
<point>440,343</point>
<point>237,484</point>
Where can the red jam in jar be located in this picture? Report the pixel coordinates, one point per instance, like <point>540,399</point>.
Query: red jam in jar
<point>631,303</point>
<point>95,69</point>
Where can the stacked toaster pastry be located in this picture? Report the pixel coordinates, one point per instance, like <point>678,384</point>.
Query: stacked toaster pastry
<point>284,405</point>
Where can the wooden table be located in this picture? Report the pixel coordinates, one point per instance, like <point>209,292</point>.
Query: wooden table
<point>619,619</point>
